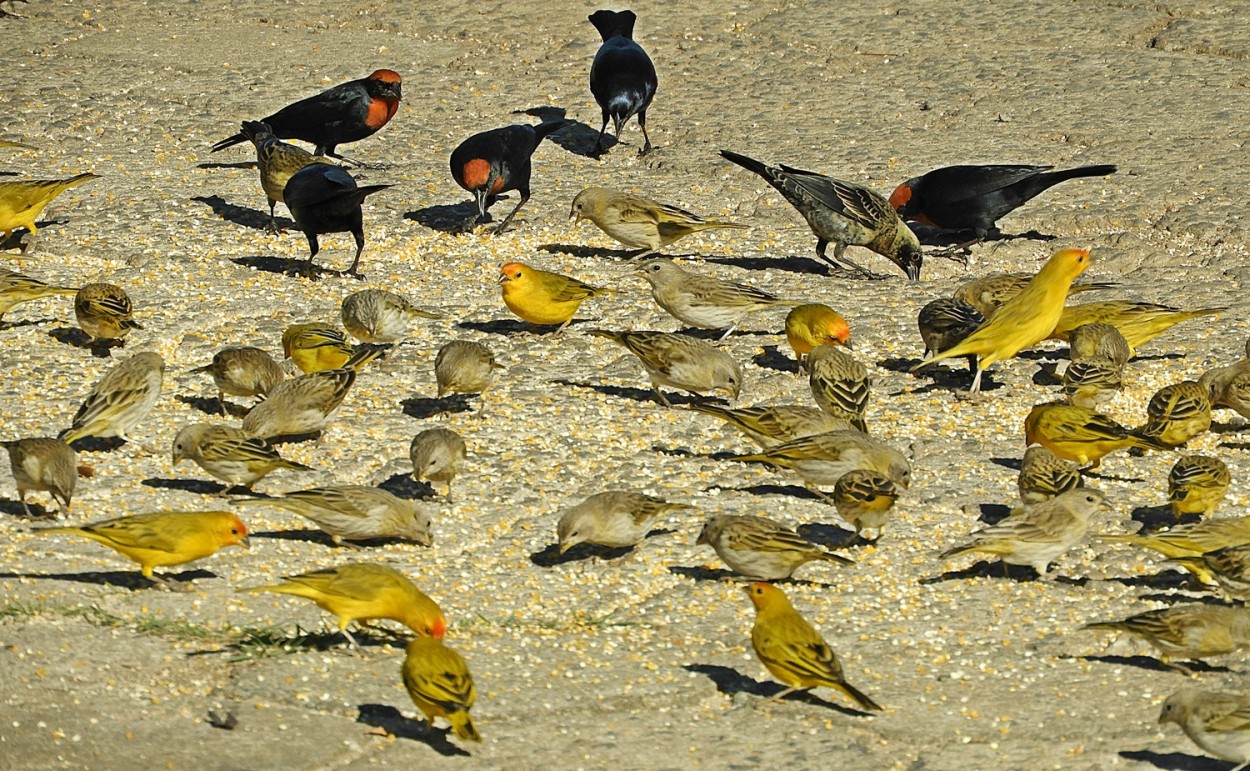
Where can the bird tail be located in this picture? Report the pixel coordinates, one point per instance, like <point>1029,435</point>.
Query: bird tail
<point>1144,441</point>
<point>1055,177</point>
<point>612,23</point>
<point>960,349</point>
<point>1114,626</point>
<point>363,354</point>
<point>829,556</point>
<point>859,697</point>
<point>290,464</point>
<point>65,530</point>
<point>361,193</point>
<point>956,550</point>
<point>71,435</point>
<point>543,129</point>
<point>462,724</point>
<point>229,141</point>
<point>614,336</point>
<point>77,179</point>
<point>750,164</point>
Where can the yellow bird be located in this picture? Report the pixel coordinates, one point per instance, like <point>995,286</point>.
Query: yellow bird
<point>1139,322</point>
<point>1197,484</point>
<point>814,324</point>
<point>16,289</point>
<point>315,347</point>
<point>541,297</point>
<point>1177,413</point>
<point>22,201</point>
<point>438,680</point>
<point>1081,435</point>
<point>1025,319</point>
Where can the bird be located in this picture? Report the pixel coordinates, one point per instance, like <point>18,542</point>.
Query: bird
<point>120,400</point>
<point>1191,539</point>
<point>1217,722</point>
<point>864,499</point>
<point>104,312</point>
<point>1034,534</point>
<point>365,591</point>
<point>945,323</point>
<point>822,459</point>
<point>1096,372</point>
<point>680,362</point>
<point>813,324</point>
<point>22,201</point>
<point>379,316</point>
<point>622,76</point>
<point>438,680</point>
<point>346,113</point>
<point>1099,341</point>
<point>276,160</point>
<point>842,213</point>
<point>793,651</point>
<point>356,513</point>
<point>303,405</point>
<point>543,298</point>
<point>163,538</point>
<point>1177,413</point>
<point>1081,435</point>
<point>771,425</point>
<point>1024,320</point>
<point>638,222</point>
<point>436,454</point>
<point>1139,322</point>
<point>976,197</point>
<point>323,198</point>
<point>465,367</point>
<point>496,161</point>
<point>614,519</point>
<point>988,293</point>
<point>1044,475</point>
<point>1197,484</point>
<point>16,289</point>
<point>1229,386</point>
<point>242,371</point>
<point>1229,567</point>
<point>1192,630</point>
<point>229,454</point>
<point>43,465</point>
<point>840,385</point>
<point>759,548</point>
<point>704,301</point>
<point>314,347</point>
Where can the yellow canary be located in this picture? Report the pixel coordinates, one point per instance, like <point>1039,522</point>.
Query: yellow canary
<point>242,371</point>
<point>1217,722</point>
<point>758,547</point>
<point>104,312</point>
<point>356,513</point>
<point>1230,567</point>
<point>864,499</point>
<point>1139,322</point>
<point>1193,630</point>
<point>681,362</point>
<point>43,465</point>
<point>230,454</point>
<point>364,591</point>
<point>769,426</point>
<point>988,293</point>
<point>1081,435</point>
<point>840,385</point>
<point>120,401</point>
<point>438,680</point>
<point>793,651</point>
<point>22,201</point>
<point>1177,413</point>
<point>813,324</point>
<point>615,519</point>
<point>16,289</point>
<point>1197,484</point>
<point>315,347</point>
<point>541,297</point>
<point>163,538</point>
<point>1043,475</point>
<point>1024,320</point>
<point>276,160</point>
<point>945,323</point>
<point>638,222</point>
<point>1190,540</point>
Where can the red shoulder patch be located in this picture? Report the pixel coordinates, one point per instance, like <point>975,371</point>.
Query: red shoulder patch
<point>475,174</point>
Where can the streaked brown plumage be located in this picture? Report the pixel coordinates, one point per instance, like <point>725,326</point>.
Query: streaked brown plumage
<point>988,293</point>
<point>356,513</point>
<point>865,499</point>
<point>104,312</point>
<point>242,371</point>
<point>1197,484</point>
<point>758,547</point>
<point>1230,566</point>
<point>43,465</point>
<point>840,385</point>
<point>1043,475</point>
<point>303,405</point>
<point>613,519</point>
<point>1139,322</point>
<point>229,454</point>
<point>276,160</point>
<point>680,362</point>
<point>1177,413</point>
<point>945,323</point>
<point>465,367</point>
<point>1189,631</point>
<point>1229,387</point>
<point>638,222</point>
<point>1217,722</point>
<point>703,301</point>
<point>822,459</point>
<point>120,400</point>
<point>436,454</point>
<point>771,425</point>
<point>16,289</point>
<point>379,316</point>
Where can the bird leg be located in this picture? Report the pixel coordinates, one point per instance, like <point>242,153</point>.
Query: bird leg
<point>343,158</point>
<point>660,394</point>
<point>957,252</point>
<point>842,263</point>
<point>599,148</point>
<point>360,247</point>
<point>779,696</point>
<point>642,124</point>
<point>273,222</point>
<point>976,382</point>
<point>525,196</point>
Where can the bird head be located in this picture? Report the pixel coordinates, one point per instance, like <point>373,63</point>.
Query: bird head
<point>230,530</point>
<point>764,596</point>
<point>585,204</point>
<point>910,258</point>
<point>902,196</point>
<point>384,84</point>
<point>513,271</point>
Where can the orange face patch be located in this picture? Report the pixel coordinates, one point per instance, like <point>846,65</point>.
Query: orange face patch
<point>475,174</point>
<point>380,111</point>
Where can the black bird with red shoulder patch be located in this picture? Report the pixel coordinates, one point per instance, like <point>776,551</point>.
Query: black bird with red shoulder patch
<point>975,197</point>
<point>622,76</point>
<point>496,161</point>
<point>346,113</point>
<point>324,198</point>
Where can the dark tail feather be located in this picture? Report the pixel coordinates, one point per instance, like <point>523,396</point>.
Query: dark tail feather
<point>229,142</point>
<point>860,698</point>
<point>1080,171</point>
<point>750,164</point>
<point>543,129</point>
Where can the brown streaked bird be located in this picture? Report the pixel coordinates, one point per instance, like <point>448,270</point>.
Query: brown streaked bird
<point>614,519</point>
<point>1177,413</point>
<point>22,201</point>
<point>703,301</point>
<point>1099,341</point>
<point>242,371</point>
<point>1189,540</point>
<point>822,459</point>
<point>276,160</point>
<point>356,513</point>
<point>1217,722</point>
<point>865,499</point>
<point>436,454</point>
<point>771,425</point>
<point>314,347</point>
<point>465,367</point>
<point>840,385</point>
<point>844,214</point>
<point>43,465</point>
<point>680,362</point>
<point>813,324</point>
<point>1229,387</point>
<point>303,405</point>
<point>1139,322</point>
<point>229,454</point>
<point>1192,630</point>
<point>104,312</point>
<point>1096,372</point>
<point>120,400</point>
<point>379,316</point>
<point>496,161</point>
<point>1044,475</point>
<point>1197,484</point>
<point>988,293</point>
<point>945,323</point>
<point>1229,566</point>
<point>637,222</point>
<point>758,547</point>
<point>1081,435</point>
<point>16,289</point>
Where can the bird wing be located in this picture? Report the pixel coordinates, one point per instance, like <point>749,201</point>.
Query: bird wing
<point>239,448</point>
<point>134,533</point>
<point>857,203</point>
<point>962,183</point>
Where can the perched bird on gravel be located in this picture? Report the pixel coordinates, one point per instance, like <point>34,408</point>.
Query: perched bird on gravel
<point>120,400</point>
<point>1189,540</point>
<point>22,201</point>
<point>1035,534</point>
<point>464,367</point>
<point>1044,475</point>
<point>541,297</point>
<point>1099,341</point>
<point>1139,322</point>
<point>758,547</point>
<point>1217,722</point>
<point>622,76</point>
<point>1193,630</point>
<point>43,465</point>
<point>314,347</point>
<point>680,362</point>
<point>614,519</point>
<point>822,459</point>
<point>865,499</point>
<point>1177,413</point>
<point>356,513</point>
<point>436,454</point>
<point>303,405</point>
<point>771,425</point>
<point>1230,567</point>
<point>496,161</point>
<point>1096,372</point>
<point>988,293</point>
<point>1081,435</point>
<point>637,222</point>
<point>438,680</point>
<point>1024,320</point>
<point>1229,387</point>
<point>842,213</point>
<point>346,113</point>
<point>326,199</point>
<point>793,651</point>
<point>229,454</point>
<point>840,385</point>
<point>16,289</point>
<point>813,324</point>
<point>104,312</point>
<point>276,160</point>
<point>365,591</point>
<point>945,323</point>
<point>163,538</point>
<point>976,197</point>
<point>703,301</point>
<point>1197,484</point>
<point>242,371</point>
<point>379,316</point>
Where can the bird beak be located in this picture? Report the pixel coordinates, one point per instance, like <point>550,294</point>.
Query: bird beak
<point>847,344</point>
<point>503,278</point>
<point>245,542</point>
<point>913,271</point>
<point>565,547</point>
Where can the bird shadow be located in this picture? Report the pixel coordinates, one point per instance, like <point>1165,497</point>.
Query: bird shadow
<point>731,682</point>
<point>395,724</point>
<point>789,264</point>
<point>700,573</point>
<point>403,486</point>
<point>1154,664</point>
<point>1045,375</point>
<point>515,327</point>
<point>97,444</point>
<point>222,165</point>
<point>642,394</point>
<point>131,580</point>
<point>1087,473</point>
<point>239,215</point>
<point>422,407</point>
<point>828,536</point>
<point>574,136</point>
<point>1177,761</point>
<point>213,406</point>
<point>197,486</point>
<point>14,241</point>
<point>791,491</point>
<point>1166,580</point>
<point>14,508</point>
<point>75,337</point>
<point>577,250</point>
<point>987,569</point>
<point>454,219</point>
<point>771,357</point>
<point>28,323</point>
<point>309,535</point>
<point>993,513</point>
<point>1154,518</point>
<point>283,266</point>
<point>550,556</point>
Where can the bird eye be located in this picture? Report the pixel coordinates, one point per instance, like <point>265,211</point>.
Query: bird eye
<point>234,531</point>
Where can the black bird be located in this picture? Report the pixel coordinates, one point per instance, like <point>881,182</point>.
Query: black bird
<point>496,161</point>
<point>622,77</point>
<point>324,198</point>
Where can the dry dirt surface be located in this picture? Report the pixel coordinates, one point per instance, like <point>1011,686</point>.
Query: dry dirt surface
<point>641,661</point>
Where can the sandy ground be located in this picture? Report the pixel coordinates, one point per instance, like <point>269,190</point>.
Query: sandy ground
<point>642,661</point>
